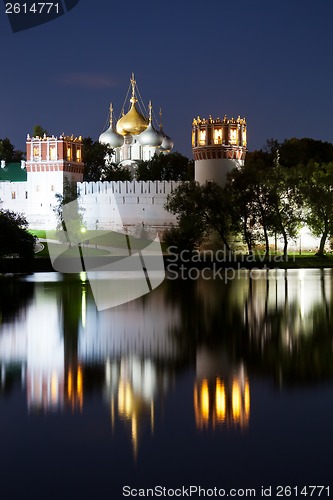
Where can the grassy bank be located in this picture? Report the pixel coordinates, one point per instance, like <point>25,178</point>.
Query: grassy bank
<point>105,245</point>
<point>261,262</point>
<point>43,263</point>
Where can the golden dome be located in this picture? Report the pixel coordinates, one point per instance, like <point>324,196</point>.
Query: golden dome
<point>133,123</point>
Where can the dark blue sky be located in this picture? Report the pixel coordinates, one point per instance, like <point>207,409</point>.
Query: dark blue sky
<point>268,61</point>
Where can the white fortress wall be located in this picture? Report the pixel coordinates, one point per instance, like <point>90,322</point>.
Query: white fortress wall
<point>13,196</point>
<point>135,202</point>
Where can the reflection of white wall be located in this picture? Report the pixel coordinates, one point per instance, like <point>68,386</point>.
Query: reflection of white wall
<point>13,342</point>
<point>45,351</point>
<point>45,344</point>
<point>142,327</point>
<point>140,374</point>
<point>35,339</point>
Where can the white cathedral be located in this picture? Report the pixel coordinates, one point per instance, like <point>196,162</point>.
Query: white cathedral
<point>219,145</point>
<point>135,138</point>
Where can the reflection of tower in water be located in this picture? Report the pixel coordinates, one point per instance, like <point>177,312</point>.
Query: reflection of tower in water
<point>132,385</point>
<point>74,387</point>
<point>221,392</point>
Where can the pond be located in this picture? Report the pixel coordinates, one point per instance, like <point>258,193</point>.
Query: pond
<point>218,384</point>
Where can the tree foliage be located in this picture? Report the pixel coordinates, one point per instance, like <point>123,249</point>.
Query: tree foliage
<point>186,203</point>
<point>68,213</point>
<point>200,209</point>
<point>316,187</point>
<point>112,172</point>
<point>39,131</point>
<point>286,214</point>
<point>14,237</point>
<point>302,151</point>
<point>8,151</point>
<point>267,197</point>
<point>94,155</point>
<point>250,202</point>
<point>168,167</point>
<point>280,188</point>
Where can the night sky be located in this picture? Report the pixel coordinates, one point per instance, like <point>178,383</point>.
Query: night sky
<point>268,61</point>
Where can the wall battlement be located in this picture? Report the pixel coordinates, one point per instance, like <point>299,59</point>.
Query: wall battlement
<point>152,188</point>
<point>104,204</point>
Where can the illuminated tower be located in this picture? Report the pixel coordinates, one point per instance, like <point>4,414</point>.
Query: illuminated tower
<point>52,155</point>
<point>49,161</point>
<point>218,147</point>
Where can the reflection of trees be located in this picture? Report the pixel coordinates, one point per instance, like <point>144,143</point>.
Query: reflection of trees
<point>208,316</point>
<point>285,337</point>
<point>72,297</point>
<point>10,379</point>
<point>15,295</point>
<point>295,356</point>
<point>71,291</point>
<point>279,326</point>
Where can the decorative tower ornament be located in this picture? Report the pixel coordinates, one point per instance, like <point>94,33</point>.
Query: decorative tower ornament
<point>218,147</point>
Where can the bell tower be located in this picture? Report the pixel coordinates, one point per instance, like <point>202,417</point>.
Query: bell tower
<point>218,147</point>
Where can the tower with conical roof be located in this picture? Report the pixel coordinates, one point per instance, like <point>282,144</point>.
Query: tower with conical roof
<point>218,146</point>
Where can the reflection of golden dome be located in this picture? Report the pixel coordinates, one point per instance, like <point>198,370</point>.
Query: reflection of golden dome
<point>133,123</point>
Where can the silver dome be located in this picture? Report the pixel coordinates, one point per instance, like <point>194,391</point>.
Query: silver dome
<point>150,137</point>
<point>167,143</point>
<point>112,138</point>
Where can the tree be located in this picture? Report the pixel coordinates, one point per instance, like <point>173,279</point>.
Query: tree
<point>317,189</point>
<point>267,197</point>
<point>251,199</point>
<point>286,213</point>
<point>168,167</point>
<point>186,202</point>
<point>39,131</point>
<point>94,155</point>
<point>112,172</point>
<point>14,237</point>
<point>218,211</point>
<point>201,209</point>
<point>301,151</point>
<point>8,151</point>
<point>68,213</point>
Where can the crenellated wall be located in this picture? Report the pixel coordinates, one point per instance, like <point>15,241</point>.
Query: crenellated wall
<point>127,187</point>
<point>109,204</point>
<point>105,205</point>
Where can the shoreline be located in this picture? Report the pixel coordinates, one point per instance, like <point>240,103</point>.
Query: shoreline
<point>43,264</point>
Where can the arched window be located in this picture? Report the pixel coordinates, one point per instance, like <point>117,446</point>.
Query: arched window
<point>218,136</point>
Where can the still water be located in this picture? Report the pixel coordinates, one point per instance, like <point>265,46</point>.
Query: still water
<point>202,383</point>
